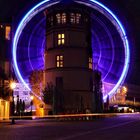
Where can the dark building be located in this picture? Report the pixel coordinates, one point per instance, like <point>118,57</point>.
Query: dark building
<point>5,54</point>
<point>97,92</point>
<point>5,67</point>
<point>68,57</point>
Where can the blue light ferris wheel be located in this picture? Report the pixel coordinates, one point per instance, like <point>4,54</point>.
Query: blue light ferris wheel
<point>109,41</point>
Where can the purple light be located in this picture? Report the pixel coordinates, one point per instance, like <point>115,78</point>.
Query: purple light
<point>91,3</point>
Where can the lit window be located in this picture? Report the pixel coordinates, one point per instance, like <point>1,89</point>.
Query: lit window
<point>59,61</point>
<point>90,63</point>
<point>78,17</point>
<point>58,16</point>
<point>72,18</point>
<point>61,39</point>
<point>7,32</point>
<point>1,26</point>
<point>75,18</point>
<point>63,18</point>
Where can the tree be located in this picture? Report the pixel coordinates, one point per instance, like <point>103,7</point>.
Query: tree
<point>23,106</point>
<point>18,106</point>
<point>13,110</point>
<point>12,107</point>
<point>48,94</point>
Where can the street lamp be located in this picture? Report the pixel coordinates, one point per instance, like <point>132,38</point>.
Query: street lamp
<point>12,87</point>
<point>31,97</point>
<point>125,89</point>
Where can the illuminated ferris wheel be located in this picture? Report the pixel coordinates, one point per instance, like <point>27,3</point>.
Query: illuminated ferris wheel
<point>109,43</point>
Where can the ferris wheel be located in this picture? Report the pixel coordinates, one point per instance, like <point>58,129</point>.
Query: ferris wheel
<point>109,42</point>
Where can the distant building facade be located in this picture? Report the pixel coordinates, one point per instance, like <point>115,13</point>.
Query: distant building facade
<point>120,97</point>
<point>5,68</point>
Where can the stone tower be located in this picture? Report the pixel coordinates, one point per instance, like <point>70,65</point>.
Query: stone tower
<point>68,57</point>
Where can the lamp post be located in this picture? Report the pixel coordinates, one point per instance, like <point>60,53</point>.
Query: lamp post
<point>31,97</point>
<point>12,87</point>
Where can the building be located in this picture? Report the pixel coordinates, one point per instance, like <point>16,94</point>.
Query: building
<point>120,97</point>
<point>22,93</point>
<point>97,92</point>
<point>5,68</point>
<point>68,57</point>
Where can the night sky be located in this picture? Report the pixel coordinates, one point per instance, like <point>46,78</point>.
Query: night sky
<point>128,12</point>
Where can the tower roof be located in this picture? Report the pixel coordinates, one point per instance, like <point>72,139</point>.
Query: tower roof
<point>68,5</point>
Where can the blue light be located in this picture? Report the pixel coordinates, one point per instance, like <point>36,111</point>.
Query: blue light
<point>91,3</point>
<point>122,33</point>
<point>35,10</point>
<point>127,51</point>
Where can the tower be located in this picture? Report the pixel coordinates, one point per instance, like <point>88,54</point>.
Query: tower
<point>68,57</point>
<point>97,92</point>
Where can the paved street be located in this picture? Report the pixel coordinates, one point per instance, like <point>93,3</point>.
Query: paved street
<point>113,128</point>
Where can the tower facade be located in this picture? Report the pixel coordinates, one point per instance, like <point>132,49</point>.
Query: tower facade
<point>68,57</point>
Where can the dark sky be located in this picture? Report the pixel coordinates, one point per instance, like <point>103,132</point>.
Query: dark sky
<point>128,12</point>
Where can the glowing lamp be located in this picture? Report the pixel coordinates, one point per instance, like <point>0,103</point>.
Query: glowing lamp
<point>12,85</point>
<point>31,97</point>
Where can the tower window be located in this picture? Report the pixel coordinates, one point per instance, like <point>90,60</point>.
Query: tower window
<point>75,18</point>
<point>90,63</point>
<point>50,20</point>
<point>58,16</point>
<point>61,18</point>
<point>72,18</point>
<point>59,61</point>
<point>61,39</point>
<point>7,32</point>
<point>78,17</point>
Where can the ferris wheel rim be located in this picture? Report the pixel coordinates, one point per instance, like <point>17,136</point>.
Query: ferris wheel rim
<point>44,4</point>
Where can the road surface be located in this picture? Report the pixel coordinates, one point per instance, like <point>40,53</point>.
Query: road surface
<point>125,127</point>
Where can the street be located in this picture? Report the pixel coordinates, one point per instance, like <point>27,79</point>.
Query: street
<point>113,128</point>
